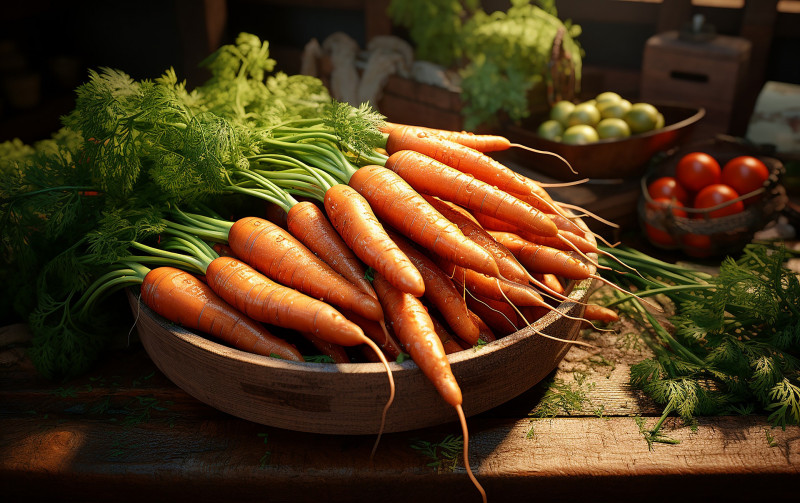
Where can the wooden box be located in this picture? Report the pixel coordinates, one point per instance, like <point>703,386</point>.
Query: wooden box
<point>708,74</point>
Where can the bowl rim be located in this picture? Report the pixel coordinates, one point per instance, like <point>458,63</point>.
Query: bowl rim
<point>699,113</point>
<point>578,291</point>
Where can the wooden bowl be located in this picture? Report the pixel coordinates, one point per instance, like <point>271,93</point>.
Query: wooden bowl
<point>349,398</point>
<point>626,158</point>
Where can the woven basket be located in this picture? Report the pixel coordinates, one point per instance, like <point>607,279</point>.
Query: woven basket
<point>697,234</point>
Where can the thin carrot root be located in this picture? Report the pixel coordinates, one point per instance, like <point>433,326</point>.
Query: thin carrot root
<point>545,152</point>
<point>465,433</point>
<point>551,185</point>
<point>585,212</point>
<point>643,300</point>
<point>390,400</point>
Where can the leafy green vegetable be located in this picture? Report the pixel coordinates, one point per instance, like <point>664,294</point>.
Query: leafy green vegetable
<point>501,56</point>
<point>83,210</point>
<point>736,341</point>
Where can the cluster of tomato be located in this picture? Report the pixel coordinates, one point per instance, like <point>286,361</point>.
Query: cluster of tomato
<point>701,183</point>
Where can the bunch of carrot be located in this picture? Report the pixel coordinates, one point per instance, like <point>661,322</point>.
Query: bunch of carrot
<point>425,247</point>
<point>438,249</point>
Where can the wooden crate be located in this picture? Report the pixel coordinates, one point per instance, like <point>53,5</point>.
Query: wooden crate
<point>409,102</point>
<point>709,74</point>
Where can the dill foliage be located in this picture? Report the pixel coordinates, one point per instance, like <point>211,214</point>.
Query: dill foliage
<point>76,209</point>
<point>735,348</point>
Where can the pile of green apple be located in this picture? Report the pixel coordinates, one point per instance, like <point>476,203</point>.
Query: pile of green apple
<point>607,116</point>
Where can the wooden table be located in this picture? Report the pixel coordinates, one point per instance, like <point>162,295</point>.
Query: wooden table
<point>123,432</point>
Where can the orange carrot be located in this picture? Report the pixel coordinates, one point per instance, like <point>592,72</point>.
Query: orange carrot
<point>412,324</point>
<point>280,256</point>
<point>499,316</point>
<point>335,352</point>
<point>552,283</point>
<point>565,240</point>
<point>543,259</point>
<point>223,250</point>
<point>493,288</point>
<point>183,299</point>
<point>379,333</point>
<point>414,328</point>
<point>354,220</point>
<point>479,142</point>
<point>449,343</point>
<point>486,333</point>
<point>441,292</point>
<point>457,156</point>
<point>507,263</point>
<point>429,176</point>
<point>595,312</point>
<point>309,224</point>
<point>263,300</point>
<point>397,203</point>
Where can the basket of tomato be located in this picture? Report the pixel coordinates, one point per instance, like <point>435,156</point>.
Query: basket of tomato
<point>709,198</point>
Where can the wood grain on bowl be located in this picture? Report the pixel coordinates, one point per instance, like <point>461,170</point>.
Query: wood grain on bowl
<point>349,398</point>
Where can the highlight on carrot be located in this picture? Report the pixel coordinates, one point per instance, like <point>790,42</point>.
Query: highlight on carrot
<point>483,143</point>
<point>183,299</point>
<point>306,221</point>
<point>429,176</point>
<point>441,292</point>
<point>403,208</point>
<point>414,328</point>
<point>278,255</point>
<point>457,156</point>
<point>353,218</point>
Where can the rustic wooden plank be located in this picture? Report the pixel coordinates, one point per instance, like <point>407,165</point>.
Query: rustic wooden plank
<point>125,424</point>
<point>564,458</point>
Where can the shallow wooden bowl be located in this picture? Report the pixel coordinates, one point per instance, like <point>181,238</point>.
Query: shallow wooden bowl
<point>349,398</point>
<point>623,158</point>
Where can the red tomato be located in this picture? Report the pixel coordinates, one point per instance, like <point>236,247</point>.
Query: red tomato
<point>668,186</point>
<point>745,174</point>
<point>697,245</point>
<point>697,170</point>
<point>716,194</point>
<point>657,235</point>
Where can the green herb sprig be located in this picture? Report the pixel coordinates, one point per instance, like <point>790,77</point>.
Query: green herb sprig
<point>735,347</point>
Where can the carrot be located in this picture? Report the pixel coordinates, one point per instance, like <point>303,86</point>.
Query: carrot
<point>499,316</point>
<point>486,333</point>
<point>457,156</point>
<point>507,263</point>
<point>353,218</point>
<point>441,292</point>
<point>183,299</point>
<point>263,300</point>
<point>552,283</point>
<point>565,240</point>
<point>223,250</point>
<point>280,256</point>
<point>493,288</point>
<point>403,208</point>
<point>335,352</point>
<point>379,333</point>
<point>595,312</point>
<point>479,142</point>
<point>416,332</point>
<point>412,324</point>
<point>449,343</point>
<point>543,259</point>
<point>309,224</point>
<point>429,176</point>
